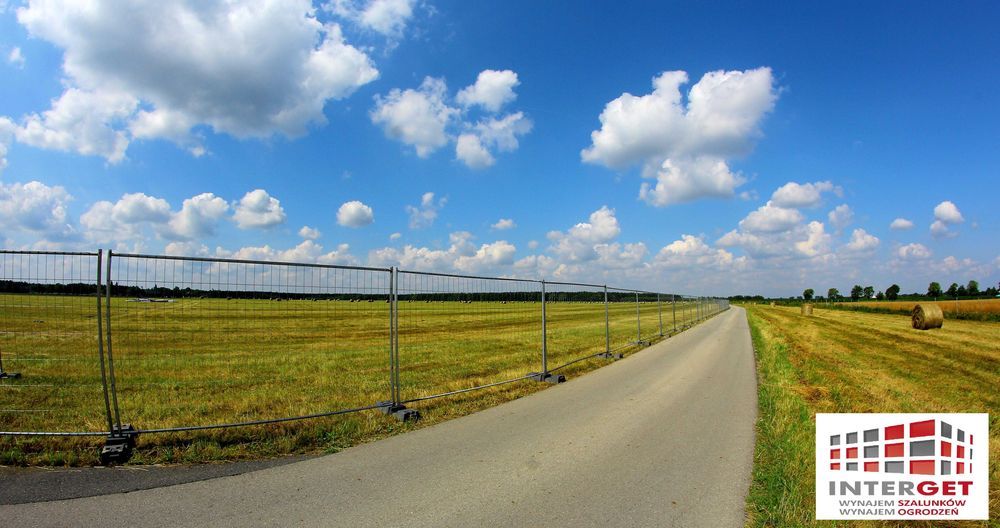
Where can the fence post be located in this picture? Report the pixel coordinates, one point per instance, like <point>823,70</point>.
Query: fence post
<point>395,406</point>
<point>120,443</point>
<point>659,313</point>
<point>673,308</point>
<point>100,346</point>
<point>638,322</point>
<point>607,330</point>
<point>545,375</point>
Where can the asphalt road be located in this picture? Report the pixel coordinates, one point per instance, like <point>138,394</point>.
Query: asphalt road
<point>662,438</point>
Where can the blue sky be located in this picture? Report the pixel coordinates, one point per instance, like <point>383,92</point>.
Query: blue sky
<point>115,123</point>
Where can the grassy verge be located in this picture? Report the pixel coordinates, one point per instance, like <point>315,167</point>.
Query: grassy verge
<point>844,361</point>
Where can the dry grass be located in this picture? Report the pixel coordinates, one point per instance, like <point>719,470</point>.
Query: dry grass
<point>211,361</point>
<point>843,361</point>
<point>981,309</point>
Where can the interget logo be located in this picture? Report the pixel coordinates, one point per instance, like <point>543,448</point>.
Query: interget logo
<point>902,466</point>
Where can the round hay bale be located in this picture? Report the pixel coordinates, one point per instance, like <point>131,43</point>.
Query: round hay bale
<point>927,316</point>
<point>772,303</point>
<point>807,309</point>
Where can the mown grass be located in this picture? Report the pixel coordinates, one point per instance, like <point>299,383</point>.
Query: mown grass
<point>843,361</point>
<point>208,361</point>
<point>965,309</point>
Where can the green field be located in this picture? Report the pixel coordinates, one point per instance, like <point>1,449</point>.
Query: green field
<point>195,362</point>
<point>845,361</point>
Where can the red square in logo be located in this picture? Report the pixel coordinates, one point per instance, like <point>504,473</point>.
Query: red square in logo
<point>970,439</point>
<point>960,468</point>
<point>871,466</point>
<point>893,450</point>
<point>961,451</point>
<point>925,428</point>
<point>835,466</point>
<point>834,454</point>
<point>922,467</point>
<point>945,448</point>
<point>852,452</point>
<point>894,433</point>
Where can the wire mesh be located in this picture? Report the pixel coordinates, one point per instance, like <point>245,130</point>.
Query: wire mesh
<point>575,322</point>
<point>50,373</point>
<point>201,342</point>
<point>459,332</point>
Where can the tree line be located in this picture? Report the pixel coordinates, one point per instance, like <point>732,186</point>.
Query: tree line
<point>934,290</point>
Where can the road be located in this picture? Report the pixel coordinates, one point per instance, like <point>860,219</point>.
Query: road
<point>664,437</point>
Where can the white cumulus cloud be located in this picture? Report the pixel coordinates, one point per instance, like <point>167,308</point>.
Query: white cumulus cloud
<point>913,251</point>
<point>309,233</point>
<point>387,17</point>
<point>841,216</point>
<point>504,223</point>
<point>258,209</point>
<point>793,194</point>
<point>770,218</point>
<point>177,65</point>
<point>492,90</point>
<point>862,241</point>
<point>15,57</point>
<point>34,207</point>
<point>901,224</point>
<point>424,215</point>
<point>685,145</point>
<point>198,217</point>
<point>355,214</point>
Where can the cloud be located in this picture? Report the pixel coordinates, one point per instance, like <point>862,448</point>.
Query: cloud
<point>257,209</point>
<point>355,214</point>
<point>16,58</point>
<point>306,251</point>
<point>416,117</point>
<point>685,180</point>
<point>424,215</point>
<point>861,241</point>
<point>309,233</point>
<point>386,17</point>
<point>425,119</point>
<point>948,213</point>
<point>579,243</point>
<point>817,241</point>
<point>770,218</point>
<point>794,194</point>
<point>492,90</point>
<point>913,251</point>
<point>690,251</point>
<point>503,223</point>
<point>901,224</point>
<point>179,65</point>
<point>470,150</point>
<point>197,218</point>
<point>34,207</point>
<point>395,236</point>
<point>685,145</point>
<point>488,256</point>
<point>841,216</point>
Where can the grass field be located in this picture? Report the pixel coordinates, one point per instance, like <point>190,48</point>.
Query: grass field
<point>845,361</point>
<point>198,362</point>
<point>973,309</point>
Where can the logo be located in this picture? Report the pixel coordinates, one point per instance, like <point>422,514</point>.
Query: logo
<point>902,466</point>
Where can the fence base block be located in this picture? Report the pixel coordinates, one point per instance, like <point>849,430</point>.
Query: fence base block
<point>10,375</point>
<point>399,411</point>
<point>118,447</point>
<point>547,377</point>
<point>611,355</point>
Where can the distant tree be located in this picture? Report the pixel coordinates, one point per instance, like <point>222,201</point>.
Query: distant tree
<point>808,294</point>
<point>952,290</point>
<point>833,294</point>
<point>934,289</point>
<point>962,292</point>
<point>892,292</point>
<point>857,291</point>
<point>880,296</point>
<point>869,292</point>
<point>991,292</point>
<point>973,288</point>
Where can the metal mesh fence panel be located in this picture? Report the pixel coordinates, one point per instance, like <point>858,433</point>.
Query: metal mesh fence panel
<point>649,311</point>
<point>460,332</point>
<point>50,372</point>
<point>202,342</point>
<point>623,319</point>
<point>575,322</point>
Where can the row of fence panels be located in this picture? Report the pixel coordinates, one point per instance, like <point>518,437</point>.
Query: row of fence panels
<point>175,343</point>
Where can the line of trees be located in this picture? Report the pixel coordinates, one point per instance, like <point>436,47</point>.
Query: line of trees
<point>934,290</point>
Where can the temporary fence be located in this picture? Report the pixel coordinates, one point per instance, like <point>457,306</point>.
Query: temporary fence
<point>117,345</point>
